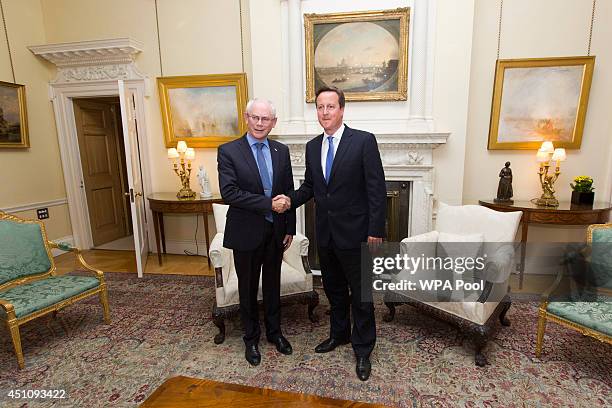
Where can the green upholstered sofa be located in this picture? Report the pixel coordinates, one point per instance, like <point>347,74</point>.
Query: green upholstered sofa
<point>29,286</point>
<point>589,309</point>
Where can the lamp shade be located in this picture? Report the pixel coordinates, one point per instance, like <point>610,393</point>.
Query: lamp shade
<point>559,155</point>
<point>542,156</point>
<point>181,146</point>
<point>547,147</point>
<point>173,153</point>
<point>190,153</point>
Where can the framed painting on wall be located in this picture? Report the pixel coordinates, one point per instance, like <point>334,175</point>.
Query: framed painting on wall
<point>203,110</point>
<point>13,116</point>
<point>363,53</point>
<point>540,99</point>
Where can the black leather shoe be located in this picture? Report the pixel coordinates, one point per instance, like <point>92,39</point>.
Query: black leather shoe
<point>282,345</point>
<point>252,355</point>
<point>363,368</point>
<point>329,345</point>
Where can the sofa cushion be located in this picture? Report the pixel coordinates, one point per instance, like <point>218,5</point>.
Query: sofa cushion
<point>23,250</point>
<point>37,295</point>
<point>594,315</point>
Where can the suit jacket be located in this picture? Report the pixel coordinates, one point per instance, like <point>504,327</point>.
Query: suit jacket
<point>241,187</point>
<point>352,205</point>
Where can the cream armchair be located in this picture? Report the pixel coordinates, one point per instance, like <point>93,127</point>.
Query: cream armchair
<point>296,276</point>
<point>472,311</point>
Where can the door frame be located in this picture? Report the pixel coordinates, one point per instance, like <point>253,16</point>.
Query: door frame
<point>62,96</point>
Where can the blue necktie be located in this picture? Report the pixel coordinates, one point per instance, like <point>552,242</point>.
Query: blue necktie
<point>330,158</point>
<point>264,174</point>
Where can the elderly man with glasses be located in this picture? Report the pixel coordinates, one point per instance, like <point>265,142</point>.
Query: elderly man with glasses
<point>252,170</point>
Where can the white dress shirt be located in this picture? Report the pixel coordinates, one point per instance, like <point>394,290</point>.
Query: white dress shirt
<point>325,145</point>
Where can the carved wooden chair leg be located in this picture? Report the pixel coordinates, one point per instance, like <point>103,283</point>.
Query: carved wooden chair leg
<point>480,341</point>
<point>313,302</point>
<point>541,330</point>
<point>14,329</point>
<point>218,320</point>
<point>502,316</point>
<point>391,314</point>
<point>105,307</point>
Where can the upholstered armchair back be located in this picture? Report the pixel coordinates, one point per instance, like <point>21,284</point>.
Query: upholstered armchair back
<point>24,251</point>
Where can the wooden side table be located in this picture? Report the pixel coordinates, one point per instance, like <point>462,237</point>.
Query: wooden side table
<point>565,214</point>
<point>161,203</point>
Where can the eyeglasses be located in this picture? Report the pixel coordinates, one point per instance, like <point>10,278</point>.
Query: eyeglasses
<point>264,119</point>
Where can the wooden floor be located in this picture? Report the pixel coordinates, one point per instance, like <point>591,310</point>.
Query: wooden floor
<point>125,261</point>
<point>181,391</point>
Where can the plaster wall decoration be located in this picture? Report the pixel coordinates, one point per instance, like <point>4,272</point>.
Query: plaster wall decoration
<point>87,61</point>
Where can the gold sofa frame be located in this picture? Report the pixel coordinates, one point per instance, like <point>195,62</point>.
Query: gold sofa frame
<point>13,322</point>
<point>545,316</point>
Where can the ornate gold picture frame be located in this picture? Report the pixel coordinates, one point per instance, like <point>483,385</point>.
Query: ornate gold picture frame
<point>13,116</point>
<point>363,53</point>
<point>203,110</point>
<point>540,99</point>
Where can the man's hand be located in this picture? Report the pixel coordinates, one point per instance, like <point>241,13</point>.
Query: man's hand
<point>287,242</point>
<point>281,203</point>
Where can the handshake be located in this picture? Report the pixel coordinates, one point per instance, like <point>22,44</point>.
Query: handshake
<point>281,203</point>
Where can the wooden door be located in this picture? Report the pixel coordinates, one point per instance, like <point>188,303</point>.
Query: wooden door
<point>98,147</point>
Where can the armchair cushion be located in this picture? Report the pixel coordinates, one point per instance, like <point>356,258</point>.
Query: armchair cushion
<point>23,251</point>
<point>594,315</point>
<point>37,295</point>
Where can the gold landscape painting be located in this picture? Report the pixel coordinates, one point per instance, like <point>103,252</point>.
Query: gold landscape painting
<point>204,110</point>
<point>364,54</point>
<point>540,100</point>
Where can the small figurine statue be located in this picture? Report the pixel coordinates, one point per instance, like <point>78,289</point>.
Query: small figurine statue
<point>203,181</point>
<point>504,190</point>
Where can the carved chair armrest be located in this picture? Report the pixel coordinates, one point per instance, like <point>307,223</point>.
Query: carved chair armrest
<point>77,253</point>
<point>297,251</point>
<point>8,308</point>
<point>220,258</point>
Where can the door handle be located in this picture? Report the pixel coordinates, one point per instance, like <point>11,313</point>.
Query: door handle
<point>138,194</point>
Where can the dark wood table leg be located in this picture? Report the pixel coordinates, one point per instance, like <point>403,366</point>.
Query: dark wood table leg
<point>162,230</point>
<point>156,228</point>
<point>524,229</point>
<point>206,237</point>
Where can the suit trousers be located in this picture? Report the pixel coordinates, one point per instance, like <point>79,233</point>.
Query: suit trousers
<point>341,272</point>
<point>267,259</point>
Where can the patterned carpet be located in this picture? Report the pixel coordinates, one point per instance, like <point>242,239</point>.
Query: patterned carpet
<point>161,328</point>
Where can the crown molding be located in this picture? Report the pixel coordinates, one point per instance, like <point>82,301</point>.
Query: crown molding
<point>95,52</point>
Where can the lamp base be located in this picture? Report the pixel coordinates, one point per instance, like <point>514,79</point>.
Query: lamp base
<point>546,202</point>
<point>186,193</point>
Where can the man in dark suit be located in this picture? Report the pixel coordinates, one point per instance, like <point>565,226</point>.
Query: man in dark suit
<point>344,173</point>
<point>252,170</point>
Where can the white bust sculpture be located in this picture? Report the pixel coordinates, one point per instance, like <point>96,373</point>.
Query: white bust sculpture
<point>203,181</point>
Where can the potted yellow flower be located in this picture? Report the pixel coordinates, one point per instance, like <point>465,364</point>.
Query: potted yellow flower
<point>582,190</point>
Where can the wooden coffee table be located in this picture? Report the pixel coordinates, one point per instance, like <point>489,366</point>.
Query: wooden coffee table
<point>183,391</point>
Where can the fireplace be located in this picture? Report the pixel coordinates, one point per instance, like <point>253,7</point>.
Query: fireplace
<point>407,160</point>
<point>396,222</point>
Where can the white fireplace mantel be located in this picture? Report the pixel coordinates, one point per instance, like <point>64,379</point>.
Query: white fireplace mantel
<point>405,157</point>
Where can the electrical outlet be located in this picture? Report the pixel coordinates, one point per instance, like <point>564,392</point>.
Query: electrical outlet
<point>42,213</point>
